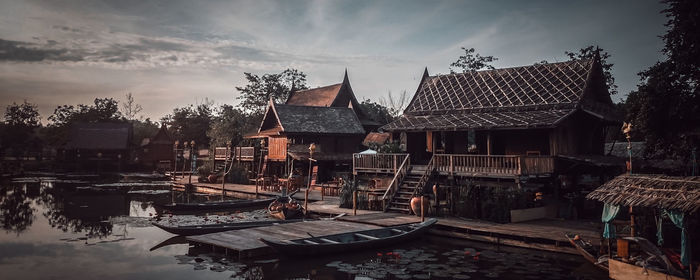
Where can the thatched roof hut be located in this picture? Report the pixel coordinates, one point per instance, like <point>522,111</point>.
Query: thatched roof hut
<point>658,191</point>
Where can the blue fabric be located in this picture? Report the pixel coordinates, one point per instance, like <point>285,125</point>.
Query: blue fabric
<point>659,229</point>
<point>678,219</point>
<point>609,213</point>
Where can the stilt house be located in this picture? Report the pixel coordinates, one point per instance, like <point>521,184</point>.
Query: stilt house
<point>329,116</point>
<point>502,126</point>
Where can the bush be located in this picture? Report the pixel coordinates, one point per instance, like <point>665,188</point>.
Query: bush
<point>346,191</point>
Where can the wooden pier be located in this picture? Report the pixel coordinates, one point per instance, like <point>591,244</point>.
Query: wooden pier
<point>245,243</point>
<point>545,234</point>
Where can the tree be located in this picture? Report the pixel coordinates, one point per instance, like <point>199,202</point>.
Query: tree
<point>20,124</point>
<point>260,89</point>
<point>102,110</point>
<point>591,52</point>
<point>664,108</point>
<point>395,104</point>
<point>377,112</point>
<point>231,124</point>
<point>191,123</point>
<point>129,108</point>
<point>472,61</point>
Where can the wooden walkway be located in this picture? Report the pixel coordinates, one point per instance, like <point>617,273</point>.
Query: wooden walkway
<point>545,234</point>
<point>245,243</point>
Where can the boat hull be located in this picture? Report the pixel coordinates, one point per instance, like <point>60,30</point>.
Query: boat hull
<point>586,254</point>
<point>301,249</point>
<point>224,205</point>
<point>624,271</point>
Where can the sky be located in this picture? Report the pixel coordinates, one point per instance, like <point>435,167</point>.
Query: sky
<point>173,53</point>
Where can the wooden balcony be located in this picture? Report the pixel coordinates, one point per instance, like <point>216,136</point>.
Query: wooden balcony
<point>493,165</point>
<point>238,153</point>
<point>377,163</point>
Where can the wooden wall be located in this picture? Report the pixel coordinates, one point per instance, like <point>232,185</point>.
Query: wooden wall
<point>277,148</point>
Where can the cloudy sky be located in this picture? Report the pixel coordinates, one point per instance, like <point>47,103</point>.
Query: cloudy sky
<point>174,53</point>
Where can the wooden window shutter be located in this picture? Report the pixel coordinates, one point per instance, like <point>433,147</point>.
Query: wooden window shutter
<point>429,141</point>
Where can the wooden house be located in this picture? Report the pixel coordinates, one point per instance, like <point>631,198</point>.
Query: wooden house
<point>157,152</point>
<point>99,145</point>
<point>329,116</point>
<point>502,125</point>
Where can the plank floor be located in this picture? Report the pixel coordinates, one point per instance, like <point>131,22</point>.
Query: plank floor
<point>246,243</point>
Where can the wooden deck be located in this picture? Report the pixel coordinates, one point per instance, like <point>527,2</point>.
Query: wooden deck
<point>546,234</point>
<point>245,243</point>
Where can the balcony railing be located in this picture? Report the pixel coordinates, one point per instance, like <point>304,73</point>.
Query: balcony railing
<point>494,165</point>
<point>238,153</point>
<point>377,163</point>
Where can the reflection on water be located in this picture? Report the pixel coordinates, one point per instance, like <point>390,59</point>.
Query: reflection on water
<point>67,229</point>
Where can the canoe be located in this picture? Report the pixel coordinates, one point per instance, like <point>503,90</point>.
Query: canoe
<point>350,241</point>
<point>212,228</point>
<point>217,205</point>
<point>284,208</point>
<point>587,250</point>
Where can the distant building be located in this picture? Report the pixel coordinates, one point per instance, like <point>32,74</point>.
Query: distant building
<point>99,145</point>
<point>157,152</point>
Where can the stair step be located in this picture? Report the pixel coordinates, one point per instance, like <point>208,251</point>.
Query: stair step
<point>400,210</point>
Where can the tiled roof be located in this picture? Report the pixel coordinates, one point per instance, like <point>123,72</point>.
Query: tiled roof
<point>528,96</point>
<point>322,96</point>
<point>479,120</point>
<point>311,119</point>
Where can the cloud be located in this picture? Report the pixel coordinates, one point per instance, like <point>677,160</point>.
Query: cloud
<point>30,52</point>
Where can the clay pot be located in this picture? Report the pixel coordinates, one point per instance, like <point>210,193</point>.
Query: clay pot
<point>415,205</point>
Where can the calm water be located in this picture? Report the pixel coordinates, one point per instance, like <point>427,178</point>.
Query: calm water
<point>55,229</point>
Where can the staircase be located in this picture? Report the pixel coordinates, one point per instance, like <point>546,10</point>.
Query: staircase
<point>401,203</point>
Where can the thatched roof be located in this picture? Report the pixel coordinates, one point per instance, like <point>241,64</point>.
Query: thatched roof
<point>657,191</point>
<point>498,98</point>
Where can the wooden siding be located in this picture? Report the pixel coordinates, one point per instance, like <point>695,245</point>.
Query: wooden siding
<point>277,148</point>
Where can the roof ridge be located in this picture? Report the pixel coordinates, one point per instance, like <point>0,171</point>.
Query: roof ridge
<point>316,88</point>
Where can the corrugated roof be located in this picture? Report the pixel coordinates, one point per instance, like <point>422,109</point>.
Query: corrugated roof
<point>527,96</point>
<point>99,136</point>
<point>311,119</point>
<point>322,96</point>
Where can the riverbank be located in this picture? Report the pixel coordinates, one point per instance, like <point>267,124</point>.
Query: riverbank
<point>544,234</point>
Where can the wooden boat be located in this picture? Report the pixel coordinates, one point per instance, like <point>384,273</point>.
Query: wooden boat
<point>211,228</point>
<point>284,208</point>
<point>217,205</point>
<point>359,240</point>
<point>587,250</point>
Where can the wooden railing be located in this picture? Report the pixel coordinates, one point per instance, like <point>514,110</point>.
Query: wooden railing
<point>396,181</point>
<point>239,153</point>
<point>508,165</point>
<point>426,176</point>
<point>377,163</point>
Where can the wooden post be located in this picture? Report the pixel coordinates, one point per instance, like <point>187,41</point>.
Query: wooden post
<point>306,202</point>
<point>354,203</point>
<point>256,188</point>
<point>422,210</point>
<point>631,222</point>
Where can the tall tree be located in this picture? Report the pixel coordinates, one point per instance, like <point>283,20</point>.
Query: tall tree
<point>260,89</point>
<point>18,130</point>
<point>377,112</point>
<point>664,108</point>
<point>191,123</point>
<point>395,104</point>
<point>231,124</point>
<point>472,61</point>
<point>130,109</point>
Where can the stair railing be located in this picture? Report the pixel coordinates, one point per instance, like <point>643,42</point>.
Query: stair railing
<point>425,177</point>
<point>396,181</point>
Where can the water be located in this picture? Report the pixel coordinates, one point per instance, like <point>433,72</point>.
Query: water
<point>53,229</point>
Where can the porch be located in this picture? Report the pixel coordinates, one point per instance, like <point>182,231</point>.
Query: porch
<point>237,153</point>
<point>495,166</point>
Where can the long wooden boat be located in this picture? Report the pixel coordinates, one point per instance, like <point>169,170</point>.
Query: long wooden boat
<point>587,251</point>
<point>217,205</point>
<point>284,208</point>
<point>212,228</point>
<point>350,241</point>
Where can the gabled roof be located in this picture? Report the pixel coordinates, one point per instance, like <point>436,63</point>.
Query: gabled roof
<point>534,95</point>
<point>100,136</point>
<point>322,96</point>
<point>336,95</point>
<point>161,137</point>
<point>310,119</point>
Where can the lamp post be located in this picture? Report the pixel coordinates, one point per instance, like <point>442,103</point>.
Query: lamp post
<point>193,160</point>
<point>223,177</point>
<point>175,159</point>
<point>184,160</point>
<point>312,149</point>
